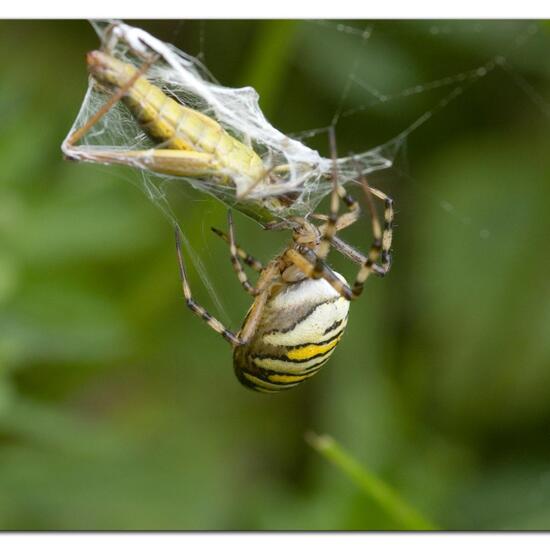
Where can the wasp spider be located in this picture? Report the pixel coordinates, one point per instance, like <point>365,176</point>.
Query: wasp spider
<point>300,307</point>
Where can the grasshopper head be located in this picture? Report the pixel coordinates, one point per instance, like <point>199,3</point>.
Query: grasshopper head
<point>108,70</point>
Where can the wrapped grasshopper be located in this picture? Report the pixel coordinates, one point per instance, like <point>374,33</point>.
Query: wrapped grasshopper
<point>215,137</point>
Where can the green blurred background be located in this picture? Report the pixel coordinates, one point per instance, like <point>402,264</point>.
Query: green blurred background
<point>120,410</point>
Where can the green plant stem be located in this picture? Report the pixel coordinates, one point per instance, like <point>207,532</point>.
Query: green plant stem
<point>384,495</point>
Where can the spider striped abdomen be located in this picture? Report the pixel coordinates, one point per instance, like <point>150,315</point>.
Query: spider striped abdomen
<point>300,327</point>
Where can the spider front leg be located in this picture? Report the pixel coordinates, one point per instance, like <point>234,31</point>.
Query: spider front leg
<point>197,309</point>
<point>237,252</point>
<point>313,265</point>
<point>330,228</point>
<point>334,222</point>
<point>387,232</point>
<point>255,313</point>
<point>308,263</point>
<point>380,247</point>
<point>249,260</point>
<point>261,291</point>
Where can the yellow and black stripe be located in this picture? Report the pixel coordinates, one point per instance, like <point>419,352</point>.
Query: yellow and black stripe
<point>267,367</point>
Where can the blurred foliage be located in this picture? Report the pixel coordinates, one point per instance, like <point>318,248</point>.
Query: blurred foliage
<point>120,410</point>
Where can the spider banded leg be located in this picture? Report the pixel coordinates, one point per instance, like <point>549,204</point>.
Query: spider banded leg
<point>249,260</point>
<point>335,223</point>
<point>353,254</point>
<point>345,220</point>
<point>261,291</point>
<point>330,227</point>
<point>382,237</point>
<point>308,263</point>
<point>255,312</point>
<point>381,244</point>
<point>312,265</point>
<point>387,232</point>
<point>235,261</point>
<point>194,306</point>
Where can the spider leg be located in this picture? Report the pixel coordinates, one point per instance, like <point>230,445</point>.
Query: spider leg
<point>249,260</point>
<point>345,220</point>
<point>313,265</point>
<point>253,317</point>
<point>387,232</point>
<point>381,245</point>
<point>349,251</point>
<point>386,237</point>
<point>334,222</point>
<point>196,308</point>
<point>330,227</point>
<point>308,263</point>
<point>255,312</point>
<point>235,261</point>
